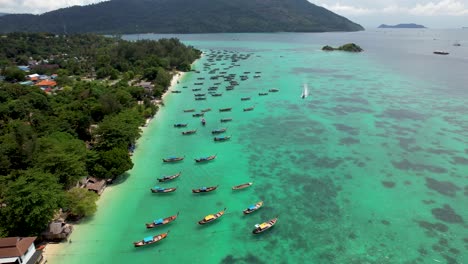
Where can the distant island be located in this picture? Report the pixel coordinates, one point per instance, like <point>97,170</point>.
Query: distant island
<point>2,14</point>
<point>181,16</point>
<point>350,47</point>
<point>411,25</point>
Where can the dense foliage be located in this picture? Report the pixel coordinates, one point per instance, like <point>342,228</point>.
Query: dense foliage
<point>181,16</point>
<point>49,142</point>
<point>349,47</point>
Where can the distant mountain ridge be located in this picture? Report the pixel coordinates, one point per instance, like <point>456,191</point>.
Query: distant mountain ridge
<point>183,16</point>
<point>3,14</point>
<point>410,25</point>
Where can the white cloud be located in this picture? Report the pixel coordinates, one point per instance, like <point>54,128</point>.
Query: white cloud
<point>440,8</point>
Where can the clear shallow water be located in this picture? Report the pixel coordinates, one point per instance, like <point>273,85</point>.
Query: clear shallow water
<point>372,167</point>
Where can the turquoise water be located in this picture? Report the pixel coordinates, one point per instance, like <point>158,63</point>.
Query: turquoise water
<point>372,167</point>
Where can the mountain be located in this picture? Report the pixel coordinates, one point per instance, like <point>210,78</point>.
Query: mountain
<point>2,14</point>
<point>411,25</point>
<point>183,16</point>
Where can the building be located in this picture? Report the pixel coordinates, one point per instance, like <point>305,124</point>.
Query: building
<point>46,84</point>
<point>19,250</point>
<point>57,231</point>
<point>95,185</point>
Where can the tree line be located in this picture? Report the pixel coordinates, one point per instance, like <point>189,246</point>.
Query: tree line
<point>48,142</point>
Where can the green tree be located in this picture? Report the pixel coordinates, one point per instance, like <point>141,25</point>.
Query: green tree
<point>110,163</point>
<point>14,74</point>
<point>31,201</point>
<point>81,202</point>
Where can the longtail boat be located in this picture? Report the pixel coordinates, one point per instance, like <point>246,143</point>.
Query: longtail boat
<point>249,109</point>
<point>224,120</point>
<point>225,109</point>
<point>259,228</point>
<point>219,131</point>
<point>204,159</point>
<point>157,189</point>
<point>262,94</point>
<point>170,177</point>
<point>242,186</point>
<point>176,91</point>
<point>173,159</point>
<point>162,221</point>
<point>221,138</point>
<point>189,110</point>
<point>274,90</point>
<point>253,208</point>
<point>205,189</point>
<point>198,114</point>
<point>180,125</point>
<point>189,132</point>
<point>200,94</point>
<point>217,94</point>
<point>200,98</point>
<point>245,98</point>
<point>150,240</point>
<point>206,110</point>
<point>196,89</point>
<point>211,217</point>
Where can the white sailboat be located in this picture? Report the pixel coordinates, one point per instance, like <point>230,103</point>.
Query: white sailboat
<point>305,91</point>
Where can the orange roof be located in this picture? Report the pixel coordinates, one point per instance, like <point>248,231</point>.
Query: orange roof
<point>34,78</point>
<point>46,83</point>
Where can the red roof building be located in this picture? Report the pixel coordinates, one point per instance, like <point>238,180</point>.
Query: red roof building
<point>46,84</point>
<point>19,250</point>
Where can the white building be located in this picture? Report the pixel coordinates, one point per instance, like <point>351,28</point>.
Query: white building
<point>19,250</point>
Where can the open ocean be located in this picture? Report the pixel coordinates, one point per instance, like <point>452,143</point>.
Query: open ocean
<point>372,167</point>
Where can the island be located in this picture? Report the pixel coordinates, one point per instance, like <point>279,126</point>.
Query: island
<point>350,47</point>
<point>410,25</point>
<point>182,16</point>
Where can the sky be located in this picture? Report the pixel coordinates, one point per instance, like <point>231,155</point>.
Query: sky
<point>369,13</point>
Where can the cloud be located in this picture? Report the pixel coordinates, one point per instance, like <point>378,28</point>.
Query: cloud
<point>39,6</point>
<point>440,8</point>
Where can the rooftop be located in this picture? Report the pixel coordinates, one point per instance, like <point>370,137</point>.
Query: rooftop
<point>15,246</point>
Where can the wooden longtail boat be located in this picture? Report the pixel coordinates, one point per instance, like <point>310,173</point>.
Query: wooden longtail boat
<point>274,90</point>
<point>180,125</point>
<point>198,114</point>
<point>200,98</point>
<point>264,226</point>
<point>200,94</point>
<point>224,120</point>
<point>253,208</point>
<point>225,109</point>
<point>262,94</point>
<point>197,89</point>
<point>176,91</point>
<point>205,189</point>
<point>219,131</point>
<point>150,240</point>
<point>189,110</point>
<point>249,109</point>
<point>206,110</point>
<point>157,189</point>
<point>189,132</point>
<point>173,159</point>
<point>161,221</point>
<point>204,159</point>
<point>211,217</point>
<point>245,98</point>
<point>170,177</point>
<point>222,138</point>
<point>217,94</point>
<point>242,186</point>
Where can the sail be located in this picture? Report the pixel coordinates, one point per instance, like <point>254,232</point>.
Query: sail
<point>305,91</point>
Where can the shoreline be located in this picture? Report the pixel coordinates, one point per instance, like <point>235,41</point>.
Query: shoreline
<point>53,249</point>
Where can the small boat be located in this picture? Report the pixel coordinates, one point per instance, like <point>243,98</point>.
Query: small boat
<point>198,114</point>
<point>274,90</point>
<point>180,125</point>
<point>249,109</point>
<point>229,88</point>
<point>305,91</point>
<point>170,177</point>
<point>242,186</point>
<point>189,110</point>
<point>205,189</point>
<point>216,94</point>
<point>176,91</point>
<point>173,159</point>
<point>262,94</point>
<point>204,159</point>
<point>245,98</point>
<point>225,109</point>
<point>203,121</point>
<point>157,189</point>
<point>206,110</point>
<point>200,98</point>
<point>253,208</point>
<point>439,52</point>
<point>200,94</point>
<point>189,132</point>
<point>196,89</point>
<point>224,120</point>
<point>161,221</point>
<point>219,131</point>
<point>211,217</point>
<point>222,138</point>
<point>150,240</point>
<point>259,228</point>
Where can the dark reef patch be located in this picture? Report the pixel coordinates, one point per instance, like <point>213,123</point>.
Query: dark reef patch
<point>459,161</point>
<point>428,201</point>
<point>433,227</point>
<point>449,259</point>
<point>401,114</point>
<point>250,258</point>
<point>388,184</point>
<point>347,129</point>
<point>385,222</point>
<point>407,165</point>
<point>349,141</point>
<point>447,214</point>
<point>443,187</point>
<point>352,100</point>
